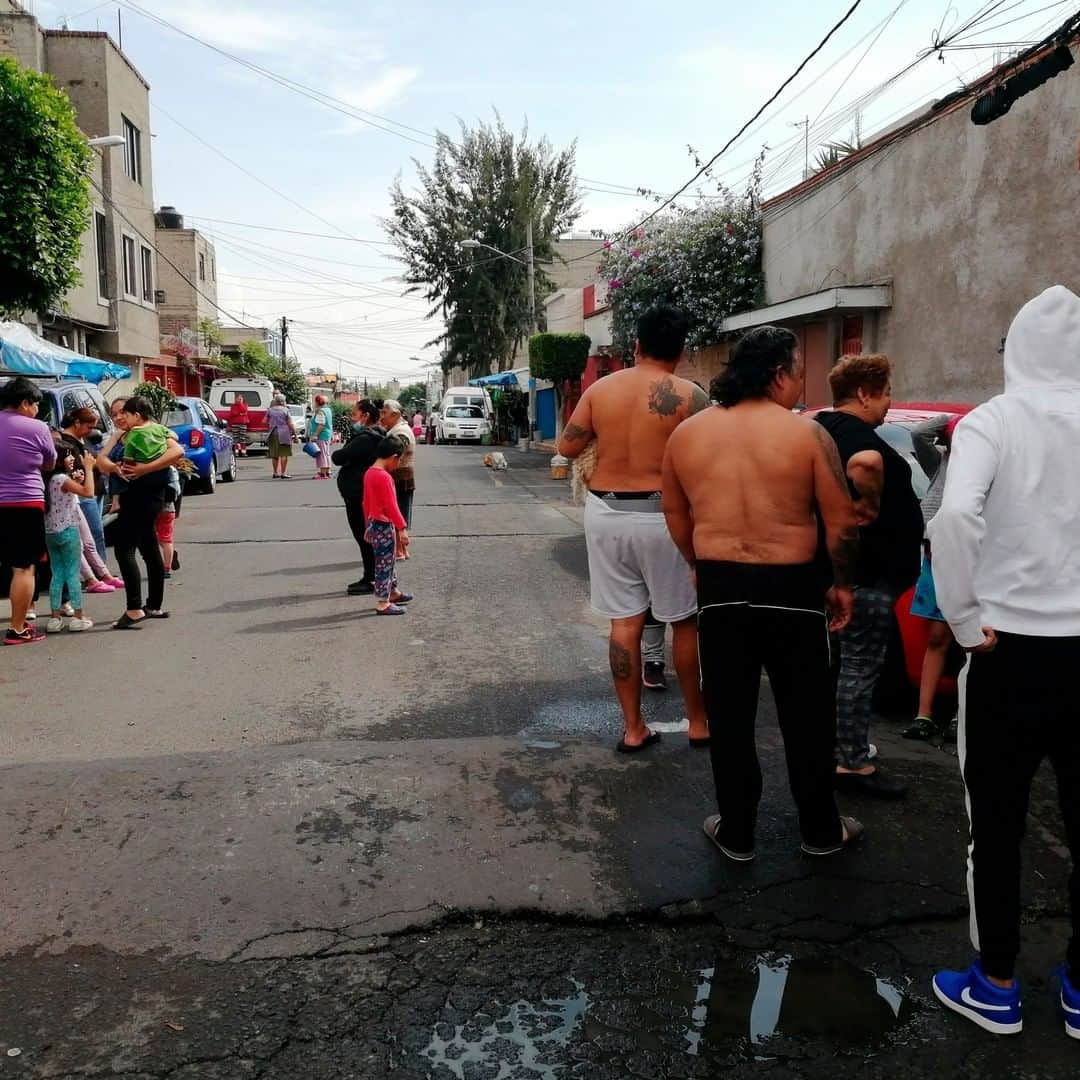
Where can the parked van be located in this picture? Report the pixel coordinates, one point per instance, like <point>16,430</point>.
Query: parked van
<point>476,396</point>
<point>257,392</point>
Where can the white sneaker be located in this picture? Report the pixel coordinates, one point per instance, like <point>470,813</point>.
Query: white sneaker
<point>872,752</point>
<point>31,616</point>
<point>54,625</point>
<point>75,625</point>
<point>67,611</point>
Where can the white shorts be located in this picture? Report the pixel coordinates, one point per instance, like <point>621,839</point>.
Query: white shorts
<point>634,565</point>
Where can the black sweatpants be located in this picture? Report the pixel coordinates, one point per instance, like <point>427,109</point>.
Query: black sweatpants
<point>134,531</point>
<point>753,616</point>
<point>354,512</point>
<point>1018,705</point>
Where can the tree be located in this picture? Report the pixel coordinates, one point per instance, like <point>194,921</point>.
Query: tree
<point>413,398</point>
<point>162,400</point>
<point>487,185</point>
<point>559,358</point>
<point>212,336</point>
<point>44,191</point>
<point>253,359</point>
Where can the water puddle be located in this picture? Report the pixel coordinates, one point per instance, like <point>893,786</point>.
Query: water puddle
<point>670,1013</point>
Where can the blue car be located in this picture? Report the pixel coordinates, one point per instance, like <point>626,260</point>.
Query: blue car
<point>206,441</point>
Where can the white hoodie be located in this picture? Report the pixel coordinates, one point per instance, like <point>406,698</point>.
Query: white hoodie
<point>1006,541</point>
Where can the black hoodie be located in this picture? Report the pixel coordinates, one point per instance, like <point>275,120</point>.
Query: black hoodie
<point>355,458</point>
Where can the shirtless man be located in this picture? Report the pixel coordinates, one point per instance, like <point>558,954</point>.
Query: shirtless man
<point>632,560</point>
<point>744,485</point>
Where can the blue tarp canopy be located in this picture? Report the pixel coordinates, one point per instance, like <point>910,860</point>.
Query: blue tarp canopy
<point>22,352</point>
<point>502,378</point>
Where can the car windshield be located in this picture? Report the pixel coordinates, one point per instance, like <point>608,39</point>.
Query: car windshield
<point>464,412</point>
<point>181,416</point>
<point>899,438</point>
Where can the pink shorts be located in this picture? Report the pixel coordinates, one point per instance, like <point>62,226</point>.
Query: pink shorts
<point>163,527</point>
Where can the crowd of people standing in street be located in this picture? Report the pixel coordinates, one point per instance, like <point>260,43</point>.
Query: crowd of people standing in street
<point>795,538</point>
<point>53,490</point>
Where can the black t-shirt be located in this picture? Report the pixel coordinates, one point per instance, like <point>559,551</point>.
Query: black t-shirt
<point>890,549</point>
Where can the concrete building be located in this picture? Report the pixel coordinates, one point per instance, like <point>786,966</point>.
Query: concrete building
<point>112,314</point>
<point>925,242</point>
<point>186,281</point>
<point>234,336</point>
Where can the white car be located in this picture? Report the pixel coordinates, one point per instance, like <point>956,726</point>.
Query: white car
<point>461,423</point>
<point>298,416</point>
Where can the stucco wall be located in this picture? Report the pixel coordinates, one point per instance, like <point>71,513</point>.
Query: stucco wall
<point>20,37</point>
<point>185,306</point>
<point>968,222</point>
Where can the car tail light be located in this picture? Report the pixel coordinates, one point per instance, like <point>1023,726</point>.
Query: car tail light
<point>197,439</point>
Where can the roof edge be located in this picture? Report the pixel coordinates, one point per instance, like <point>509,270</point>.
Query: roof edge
<point>99,34</point>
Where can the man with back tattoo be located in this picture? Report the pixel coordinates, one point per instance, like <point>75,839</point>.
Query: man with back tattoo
<point>744,486</point>
<point>632,561</point>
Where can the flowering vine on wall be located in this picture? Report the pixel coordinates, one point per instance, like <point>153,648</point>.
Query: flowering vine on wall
<point>706,259</point>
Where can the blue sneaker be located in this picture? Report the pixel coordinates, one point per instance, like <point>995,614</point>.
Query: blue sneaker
<point>971,994</point>
<point>1070,1004</point>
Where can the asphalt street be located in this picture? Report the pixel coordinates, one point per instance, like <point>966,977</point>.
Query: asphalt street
<point>277,836</point>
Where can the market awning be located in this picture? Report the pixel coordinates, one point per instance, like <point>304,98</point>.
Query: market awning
<point>22,352</point>
<point>840,299</point>
<point>501,378</point>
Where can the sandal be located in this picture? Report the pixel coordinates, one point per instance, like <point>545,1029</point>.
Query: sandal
<point>403,598</point>
<point>651,739</point>
<point>157,615</point>
<point>126,622</point>
<point>393,609</point>
<point>711,827</point>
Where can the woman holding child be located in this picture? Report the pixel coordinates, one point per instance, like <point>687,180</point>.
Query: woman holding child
<point>137,460</point>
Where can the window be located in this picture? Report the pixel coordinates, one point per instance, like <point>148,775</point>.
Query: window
<point>213,268</point>
<point>132,151</point>
<point>147,274</point>
<point>202,266</point>
<point>178,417</point>
<point>131,282</point>
<point>252,397</point>
<point>101,244</point>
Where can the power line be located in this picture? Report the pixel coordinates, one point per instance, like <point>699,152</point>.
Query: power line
<point>150,243</point>
<point>705,168</point>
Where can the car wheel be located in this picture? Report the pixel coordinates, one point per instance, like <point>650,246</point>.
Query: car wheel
<point>229,475</point>
<point>210,483</point>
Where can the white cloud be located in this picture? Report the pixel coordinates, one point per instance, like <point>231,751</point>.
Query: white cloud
<point>374,96</point>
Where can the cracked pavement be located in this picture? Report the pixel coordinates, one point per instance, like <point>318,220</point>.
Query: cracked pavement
<point>329,847</point>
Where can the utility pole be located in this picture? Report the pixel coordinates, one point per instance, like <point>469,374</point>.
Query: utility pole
<point>532,272</point>
<point>284,341</point>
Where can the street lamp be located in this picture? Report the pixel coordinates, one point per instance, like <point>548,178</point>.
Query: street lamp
<point>529,262</point>
<point>106,141</point>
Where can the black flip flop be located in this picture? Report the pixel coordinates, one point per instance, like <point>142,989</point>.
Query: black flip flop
<point>701,744</point>
<point>157,615</point>
<point>650,740</point>
<point>125,622</point>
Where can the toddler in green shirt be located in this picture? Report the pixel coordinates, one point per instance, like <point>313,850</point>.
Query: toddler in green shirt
<point>145,443</point>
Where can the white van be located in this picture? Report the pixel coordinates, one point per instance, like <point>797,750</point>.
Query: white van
<point>257,392</point>
<point>475,396</point>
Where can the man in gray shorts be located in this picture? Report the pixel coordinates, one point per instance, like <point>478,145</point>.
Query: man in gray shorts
<point>633,562</point>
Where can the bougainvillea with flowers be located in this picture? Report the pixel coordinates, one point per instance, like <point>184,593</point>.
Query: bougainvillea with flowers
<point>705,258</point>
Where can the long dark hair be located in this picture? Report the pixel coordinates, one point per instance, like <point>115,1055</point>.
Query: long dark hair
<point>755,361</point>
<point>63,452</point>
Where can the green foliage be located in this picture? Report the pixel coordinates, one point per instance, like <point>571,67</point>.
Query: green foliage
<point>212,336</point>
<point>44,191</point>
<point>832,153</point>
<point>288,378</point>
<point>161,398</point>
<point>558,357</point>
<point>413,398</point>
<point>342,414</point>
<point>705,259</point>
<point>290,382</point>
<point>486,185</point>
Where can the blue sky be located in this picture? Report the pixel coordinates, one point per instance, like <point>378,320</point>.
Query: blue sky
<point>634,84</point>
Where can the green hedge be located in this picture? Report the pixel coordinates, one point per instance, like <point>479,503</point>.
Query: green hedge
<point>558,357</point>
